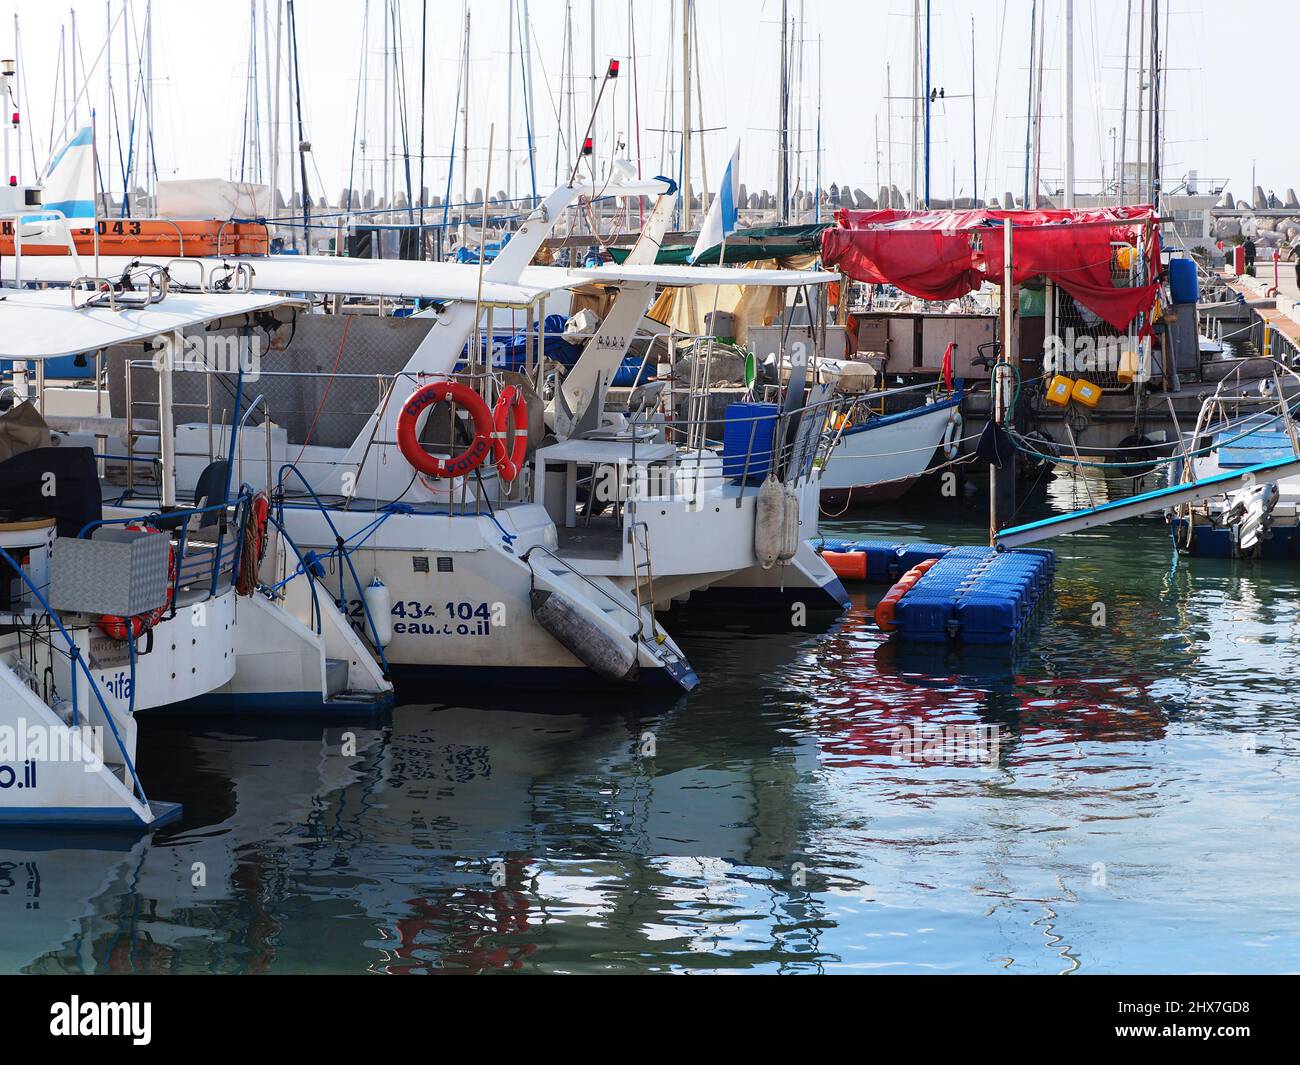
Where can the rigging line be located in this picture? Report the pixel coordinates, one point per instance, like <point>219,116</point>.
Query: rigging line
<point>527,82</point>
<point>455,126</point>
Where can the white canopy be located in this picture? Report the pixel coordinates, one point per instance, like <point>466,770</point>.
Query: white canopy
<point>45,324</point>
<point>403,279</point>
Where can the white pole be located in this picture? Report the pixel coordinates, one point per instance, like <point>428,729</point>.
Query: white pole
<point>686,115</point>
<point>916,90</point>
<point>1069,103</point>
<point>108,103</point>
<point>527,27</point>
<point>889,137</point>
<point>464,142</point>
<point>510,98</point>
<point>387,146</point>
<point>275,113</point>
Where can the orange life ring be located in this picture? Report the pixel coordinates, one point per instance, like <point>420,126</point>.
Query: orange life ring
<point>510,421</point>
<point>407,421</point>
<point>114,627</point>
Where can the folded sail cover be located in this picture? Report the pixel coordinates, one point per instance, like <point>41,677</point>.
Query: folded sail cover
<point>939,255</point>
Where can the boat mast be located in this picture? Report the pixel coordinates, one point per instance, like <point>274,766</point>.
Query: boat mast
<point>275,115</point>
<point>889,137</point>
<point>685,115</point>
<point>916,95</point>
<point>526,27</point>
<point>974,135</point>
<point>1155,105</point>
<point>1123,113</point>
<point>464,141</point>
<point>108,98</point>
<point>783,118</point>
<point>1141,88</point>
<point>1069,103</point>
<point>510,100</point>
<point>927,104</point>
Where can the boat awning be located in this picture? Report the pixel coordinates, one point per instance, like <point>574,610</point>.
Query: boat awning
<point>687,276</point>
<point>325,275</point>
<point>941,255</point>
<point>757,244</point>
<point>45,325</point>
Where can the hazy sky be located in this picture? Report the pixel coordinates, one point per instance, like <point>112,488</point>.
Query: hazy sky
<point>201,61</point>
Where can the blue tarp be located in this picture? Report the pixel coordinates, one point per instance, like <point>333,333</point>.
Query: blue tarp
<point>508,352</point>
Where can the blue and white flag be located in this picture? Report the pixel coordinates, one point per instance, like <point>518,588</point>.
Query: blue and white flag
<point>720,222</point>
<point>69,185</point>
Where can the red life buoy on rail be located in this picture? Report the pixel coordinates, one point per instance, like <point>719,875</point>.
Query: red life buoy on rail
<point>408,420</point>
<point>510,433</point>
<point>114,627</point>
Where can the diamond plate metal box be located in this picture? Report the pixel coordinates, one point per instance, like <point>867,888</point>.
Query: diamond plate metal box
<point>115,571</point>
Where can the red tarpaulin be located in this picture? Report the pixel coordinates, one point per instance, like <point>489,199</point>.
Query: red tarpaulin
<point>940,255</point>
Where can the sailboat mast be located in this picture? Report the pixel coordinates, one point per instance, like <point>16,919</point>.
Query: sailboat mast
<point>916,97</point>
<point>510,99</point>
<point>974,135</point>
<point>1069,103</point>
<point>1123,114</point>
<point>464,140</point>
<point>686,115</point>
<point>783,118</point>
<point>889,136</point>
<point>927,104</point>
<point>275,113</point>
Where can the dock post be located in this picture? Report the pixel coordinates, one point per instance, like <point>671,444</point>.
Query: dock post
<point>1002,482</point>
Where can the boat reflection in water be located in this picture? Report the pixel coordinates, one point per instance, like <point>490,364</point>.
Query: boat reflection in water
<point>1110,797</point>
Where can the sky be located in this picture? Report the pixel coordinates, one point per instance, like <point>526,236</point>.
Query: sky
<point>852,51</point>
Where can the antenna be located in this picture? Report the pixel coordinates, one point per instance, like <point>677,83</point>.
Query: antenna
<point>611,74</point>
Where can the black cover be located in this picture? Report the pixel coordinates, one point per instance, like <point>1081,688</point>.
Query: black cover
<point>75,499</point>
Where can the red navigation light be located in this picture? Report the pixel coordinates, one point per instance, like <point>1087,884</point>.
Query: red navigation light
<point>15,118</point>
<point>613,69</point>
<point>13,180</point>
<point>587,146</point>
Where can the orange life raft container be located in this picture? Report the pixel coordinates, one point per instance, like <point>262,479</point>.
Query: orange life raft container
<point>144,236</point>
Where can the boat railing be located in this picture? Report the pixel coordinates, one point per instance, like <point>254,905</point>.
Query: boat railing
<point>340,550</point>
<point>77,662</point>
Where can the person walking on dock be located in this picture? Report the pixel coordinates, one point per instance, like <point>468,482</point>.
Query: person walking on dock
<point>1250,256</point>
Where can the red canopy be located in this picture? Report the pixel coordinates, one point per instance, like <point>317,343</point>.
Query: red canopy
<point>939,255</point>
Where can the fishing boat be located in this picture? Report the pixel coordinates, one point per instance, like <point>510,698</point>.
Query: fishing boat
<point>1248,420</point>
<point>880,456</point>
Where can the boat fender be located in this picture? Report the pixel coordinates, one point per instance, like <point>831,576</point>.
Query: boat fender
<point>380,607</point>
<point>769,522</point>
<point>952,435</point>
<point>790,527</point>
<point>609,657</point>
<point>408,441</point>
<point>847,565</point>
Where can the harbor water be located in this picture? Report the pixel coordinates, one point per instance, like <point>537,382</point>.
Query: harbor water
<point>1121,794</point>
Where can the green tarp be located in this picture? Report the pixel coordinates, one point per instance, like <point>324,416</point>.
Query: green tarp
<point>746,246</point>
